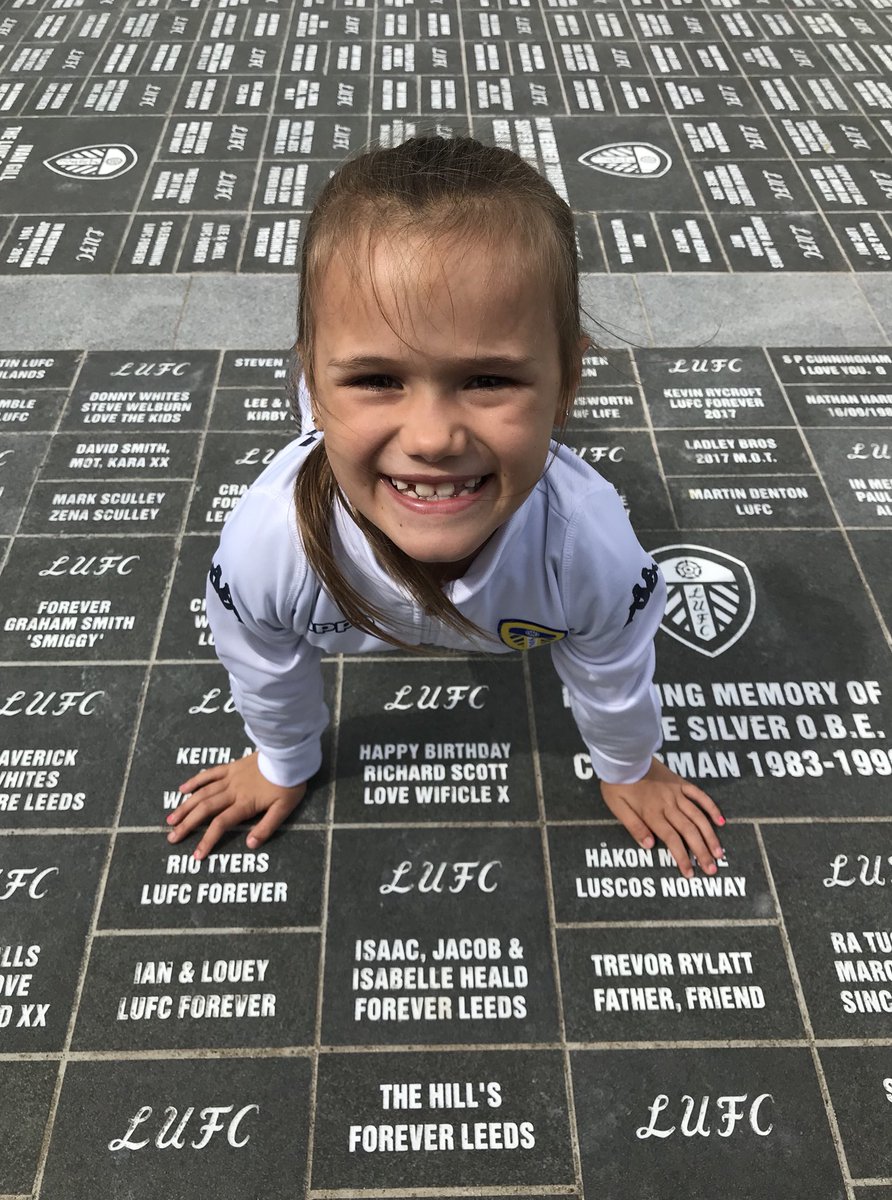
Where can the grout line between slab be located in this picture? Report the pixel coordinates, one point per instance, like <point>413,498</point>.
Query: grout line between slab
<point>552,922</point>
<point>323,939</point>
<point>182,313</point>
<point>434,1193</point>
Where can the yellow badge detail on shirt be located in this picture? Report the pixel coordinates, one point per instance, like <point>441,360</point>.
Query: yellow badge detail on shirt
<point>526,635</point>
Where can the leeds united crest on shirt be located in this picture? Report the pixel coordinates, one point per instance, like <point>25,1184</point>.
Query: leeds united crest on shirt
<point>711,598</point>
<point>526,635</point>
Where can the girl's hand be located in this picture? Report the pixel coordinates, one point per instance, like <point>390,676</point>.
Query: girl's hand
<point>230,795</point>
<point>664,805</point>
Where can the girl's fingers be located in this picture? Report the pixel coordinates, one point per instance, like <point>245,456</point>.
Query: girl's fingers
<point>208,795</point>
<point>693,839</point>
<point>700,819</point>
<point>208,775</point>
<point>200,813</point>
<point>269,822</point>
<point>630,819</point>
<point>676,848</point>
<point>233,815</point>
<point>698,796</point>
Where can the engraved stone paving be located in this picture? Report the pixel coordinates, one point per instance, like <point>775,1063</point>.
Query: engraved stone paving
<point>451,970</point>
<point>184,136</point>
<point>452,974</point>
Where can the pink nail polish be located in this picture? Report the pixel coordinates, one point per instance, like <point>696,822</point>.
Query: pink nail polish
<point>720,821</point>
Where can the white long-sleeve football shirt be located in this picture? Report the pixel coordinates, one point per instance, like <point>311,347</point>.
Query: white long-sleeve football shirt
<point>565,571</point>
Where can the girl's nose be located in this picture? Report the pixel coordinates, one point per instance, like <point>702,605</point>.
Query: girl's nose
<point>432,427</point>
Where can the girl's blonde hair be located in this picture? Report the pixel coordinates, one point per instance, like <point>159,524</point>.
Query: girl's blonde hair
<point>447,189</point>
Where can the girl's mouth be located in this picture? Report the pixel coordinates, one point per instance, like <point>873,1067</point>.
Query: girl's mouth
<point>433,493</point>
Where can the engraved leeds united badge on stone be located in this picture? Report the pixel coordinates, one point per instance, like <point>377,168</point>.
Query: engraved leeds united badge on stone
<point>637,160</point>
<point>93,162</point>
<point>711,597</point>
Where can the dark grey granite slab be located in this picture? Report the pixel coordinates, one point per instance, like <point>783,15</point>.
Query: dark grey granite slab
<point>47,888</point>
<point>830,881</point>
<point>190,723</point>
<point>83,597</point>
<point>447,1120</point>
<point>26,1090</point>
<point>679,984</point>
<point>226,991</point>
<point>684,1118</point>
<point>761,688</point>
<point>424,941</point>
<point>64,749</point>
<point>599,874</point>
<point>152,885</point>
<point>860,1084</point>
<point>477,766</point>
<point>129,1128</point>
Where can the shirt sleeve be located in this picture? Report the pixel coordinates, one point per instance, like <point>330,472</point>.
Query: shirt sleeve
<point>615,597</point>
<point>257,597</point>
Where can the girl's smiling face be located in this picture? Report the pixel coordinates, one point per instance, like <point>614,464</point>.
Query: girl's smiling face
<point>437,429</point>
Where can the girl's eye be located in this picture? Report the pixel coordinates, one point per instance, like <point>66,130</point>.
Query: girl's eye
<point>374,383</point>
<point>386,383</point>
<point>489,382</point>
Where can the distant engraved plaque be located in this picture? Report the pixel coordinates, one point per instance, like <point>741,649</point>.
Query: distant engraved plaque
<point>608,395</point>
<point>837,385</point>
<point>136,455</point>
<point>94,506</point>
<point>684,389</point>
<point>123,391</point>
<point>858,474</point>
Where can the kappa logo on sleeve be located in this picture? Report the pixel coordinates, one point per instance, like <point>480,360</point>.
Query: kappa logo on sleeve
<point>222,589</point>
<point>526,635</point>
<point>642,593</point>
<point>712,597</point>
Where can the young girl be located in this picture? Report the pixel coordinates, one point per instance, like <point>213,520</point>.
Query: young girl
<point>440,343</point>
